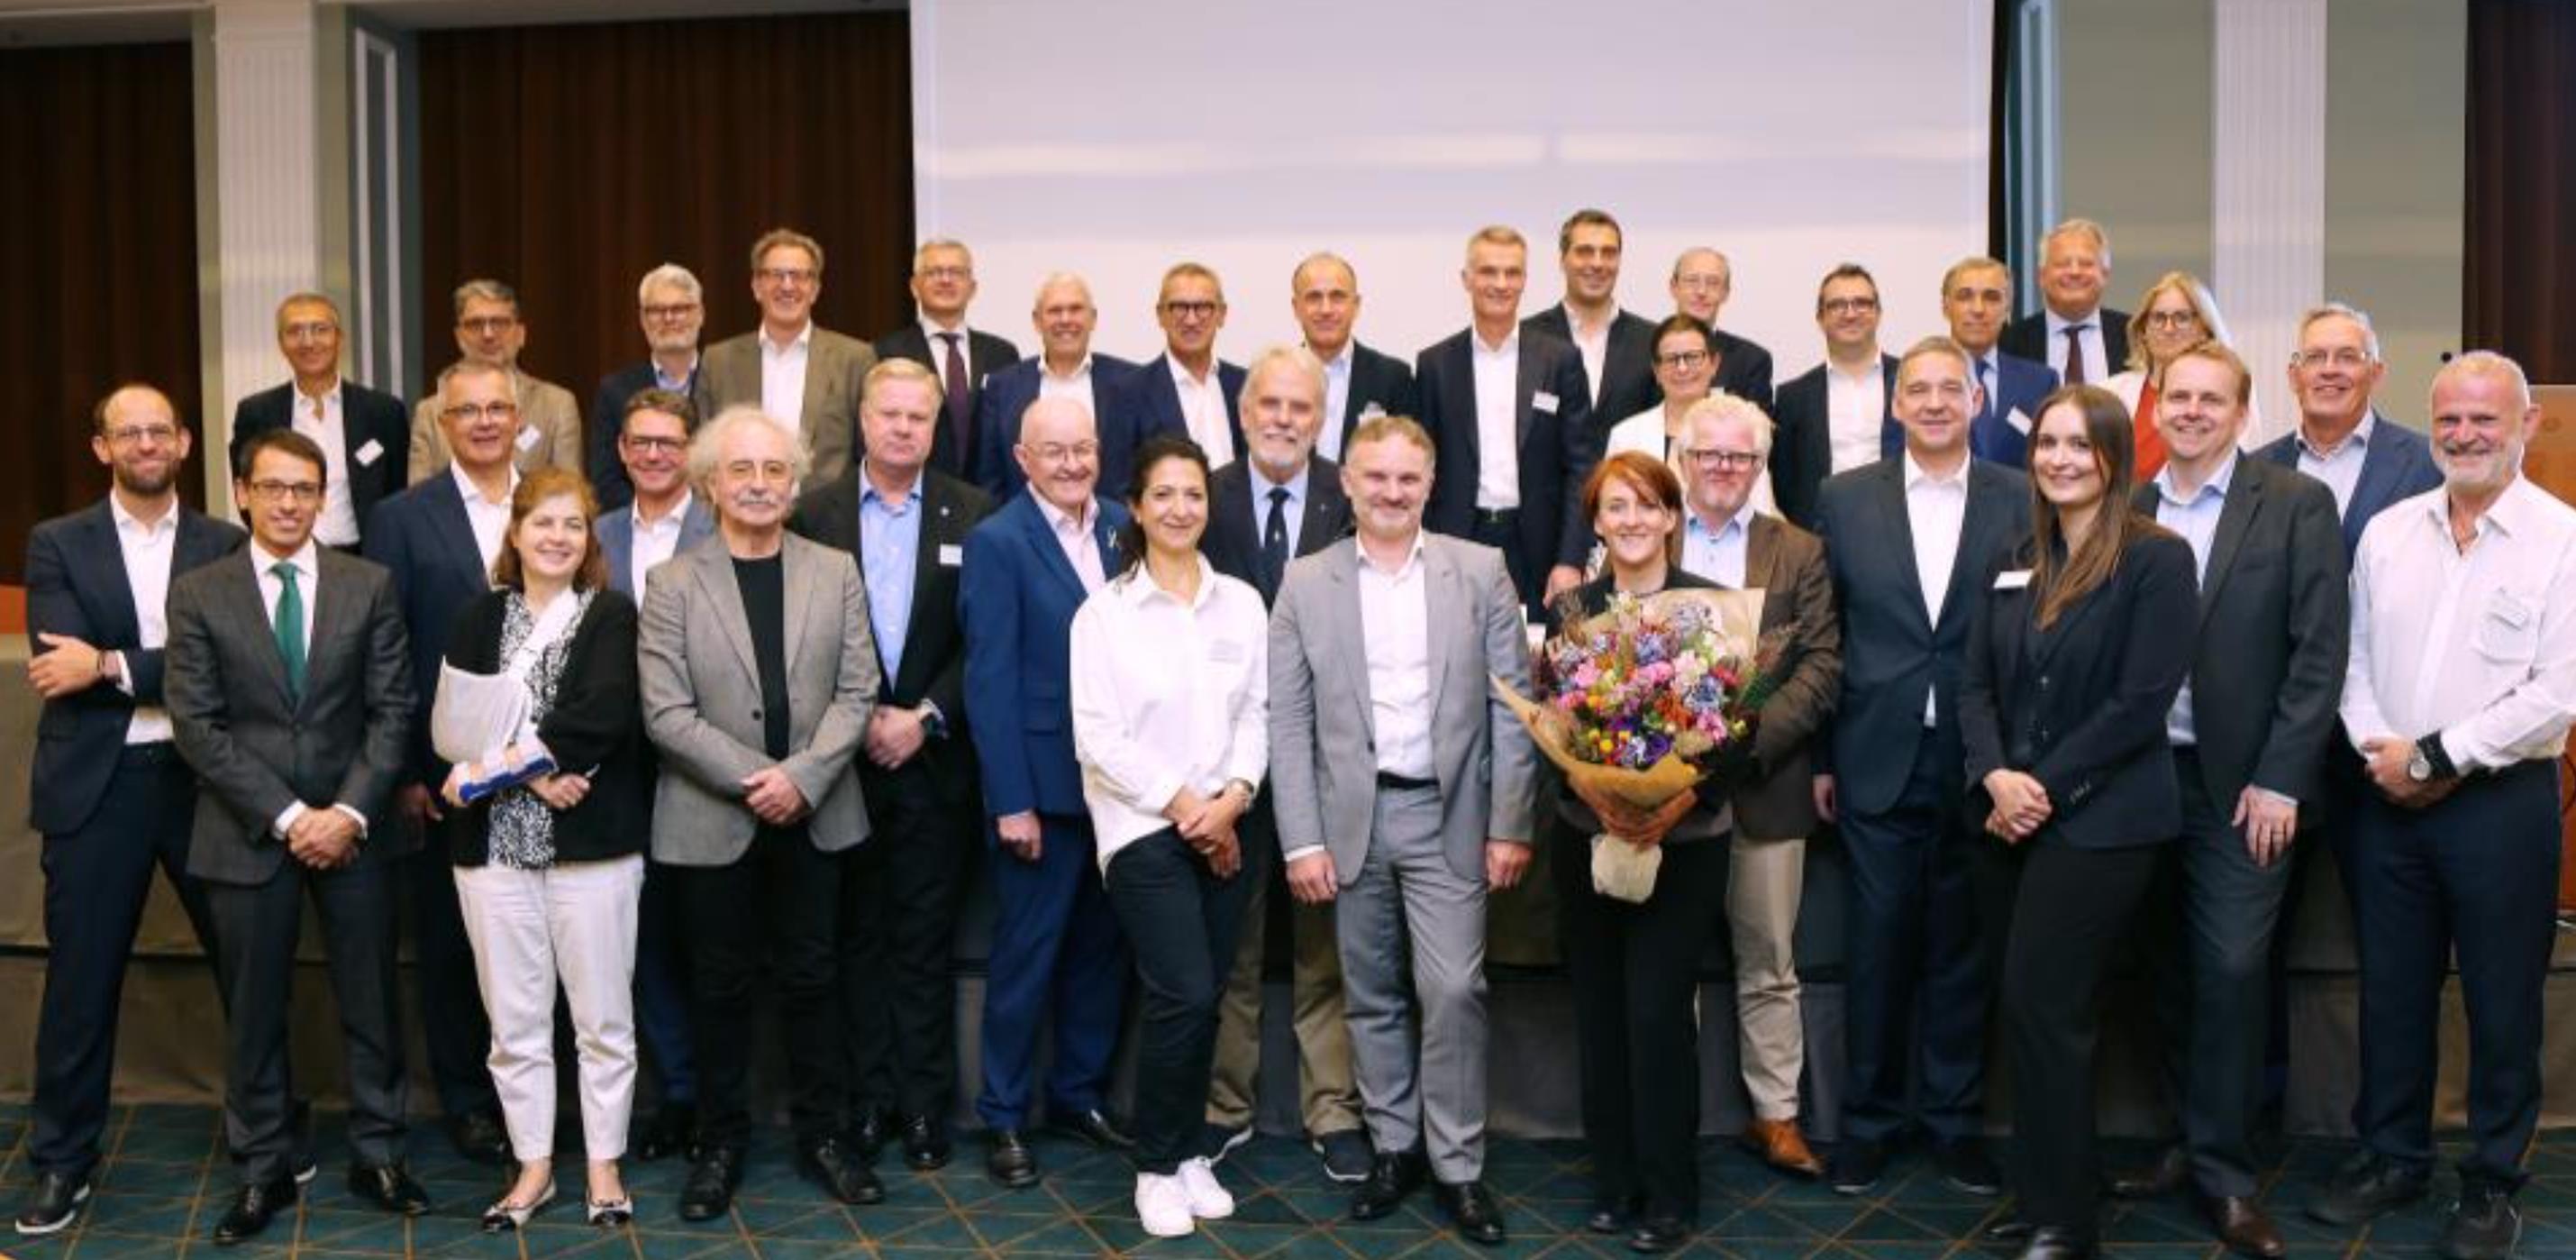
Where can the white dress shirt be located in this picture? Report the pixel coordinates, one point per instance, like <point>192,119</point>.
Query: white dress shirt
<point>491,520</point>
<point>1935,510</point>
<point>1855,413</point>
<point>1074,536</point>
<point>2196,519</point>
<point>2340,467</point>
<point>308,585</point>
<point>148,551</point>
<point>1594,345</point>
<point>2482,646</point>
<point>1075,385</point>
<point>1395,638</point>
<point>1337,401</point>
<point>782,377</point>
<point>937,336</point>
<point>1166,695</point>
<point>2098,366</point>
<point>337,526</point>
<point>1497,371</point>
<point>1718,555</point>
<point>656,540</point>
<point>1203,411</point>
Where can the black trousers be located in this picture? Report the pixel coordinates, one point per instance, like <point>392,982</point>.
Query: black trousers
<point>1182,922</point>
<point>1635,969</point>
<point>453,1026</point>
<point>899,905</point>
<point>772,912</point>
<point>662,985</point>
<point>96,881</point>
<point>2076,907</point>
<point>2476,873</point>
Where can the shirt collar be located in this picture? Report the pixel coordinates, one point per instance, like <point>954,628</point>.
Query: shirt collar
<point>307,560</point>
<point>1574,323</point>
<point>473,497</point>
<point>932,332</point>
<point>1080,371</point>
<point>1058,519</point>
<point>2358,439</point>
<point>1511,343</point>
<point>1917,475</point>
<point>129,523</point>
<point>804,338</point>
<point>1412,558</point>
<point>330,396</point>
<point>1742,520</point>
<point>1262,484</point>
<point>2507,515</point>
<point>681,382</point>
<point>1876,366</point>
<point>911,494</point>
<point>669,520</point>
<point>1181,375</point>
<point>1340,363</point>
<point>2217,484</point>
<point>1138,587</point>
<point>2058,324</point>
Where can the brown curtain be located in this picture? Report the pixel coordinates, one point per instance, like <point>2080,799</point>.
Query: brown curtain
<point>569,160</point>
<point>2521,279</point>
<point>98,256</point>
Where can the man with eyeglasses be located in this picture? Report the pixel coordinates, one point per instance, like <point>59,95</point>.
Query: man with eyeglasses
<point>1324,295</point>
<point>1186,389</point>
<point>1702,281</point>
<point>1064,367</point>
<point>489,332</point>
<point>439,540</point>
<point>943,282</point>
<point>1618,347</point>
<point>1975,294</point>
<point>1833,417</point>
<point>799,373</point>
<point>359,430</point>
<point>2080,339</point>
<point>108,794</point>
<point>672,308</point>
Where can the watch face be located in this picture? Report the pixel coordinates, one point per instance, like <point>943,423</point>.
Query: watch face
<point>2417,768</point>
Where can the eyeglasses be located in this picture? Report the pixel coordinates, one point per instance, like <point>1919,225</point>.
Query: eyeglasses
<point>284,491</point>
<point>476,411</point>
<point>2342,357</point>
<point>1849,305</point>
<point>786,275</point>
<point>1682,359</point>
<point>486,325</point>
<point>653,445</point>
<point>1712,457</point>
<point>128,435</point>
<point>945,273</point>
<point>1711,283</point>
<point>666,314</point>
<point>2173,319</point>
<point>1193,310</point>
<point>307,334</point>
<point>1058,452</point>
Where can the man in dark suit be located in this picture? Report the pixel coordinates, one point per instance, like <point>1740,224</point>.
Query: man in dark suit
<point>2249,734</point>
<point>943,282</point>
<point>1832,418</point>
<point>671,306</point>
<point>1618,347</point>
<point>289,690</point>
<point>1702,281</point>
<point>108,794</point>
<point>363,433</point>
<point>1279,502</point>
<point>1186,389</point>
<point>1510,410</point>
<point>1324,294</point>
<point>2080,339</point>
<point>439,540</point>
<point>796,371</point>
<point>1064,367</point>
<point>906,523</point>
<point>1975,293</point>
<point>1927,896</point>
<point>1057,954</point>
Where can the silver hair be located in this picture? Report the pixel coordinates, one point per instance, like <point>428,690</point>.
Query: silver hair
<point>706,449</point>
<point>670,275</point>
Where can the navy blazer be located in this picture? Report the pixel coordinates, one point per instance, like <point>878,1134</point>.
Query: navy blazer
<point>616,534</point>
<point>2020,386</point>
<point>2081,705</point>
<point>1627,362</point>
<point>1236,520</point>
<point>2027,338</point>
<point>1156,402</point>
<point>77,586</point>
<point>1007,393</point>
<point>423,537</point>
<point>2397,464</point>
<point>985,355</point>
<point>1018,597</point>
<point>608,423</point>
<point>1893,652</point>
<point>1558,447</point>
<point>1743,368</point>
<point>1802,440</point>
<point>365,416</point>
<point>1378,380</point>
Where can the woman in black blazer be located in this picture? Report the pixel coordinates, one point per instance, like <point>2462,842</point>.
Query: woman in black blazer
<point>2076,647</point>
<point>549,873</point>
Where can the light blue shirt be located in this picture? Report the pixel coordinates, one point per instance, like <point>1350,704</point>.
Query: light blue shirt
<point>678,384</point>
<point>889,547</point>
<point>2196,519</point>
<point>1294,509</point>
<point>1718,555</point>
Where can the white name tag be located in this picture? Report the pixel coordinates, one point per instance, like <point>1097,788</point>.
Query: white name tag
<point>2019,422</point>
<point>951,555</point>
<point>1372,411</point>
<point>370,453</point>
<point>528,438</point>
<point>1543,401</point>
<point>2012,579</point>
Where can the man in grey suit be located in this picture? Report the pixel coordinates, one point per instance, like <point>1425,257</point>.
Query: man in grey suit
<point>758,674</point>
<point>799,373</point>
<point>1402,789</point>
<point>288,681</point>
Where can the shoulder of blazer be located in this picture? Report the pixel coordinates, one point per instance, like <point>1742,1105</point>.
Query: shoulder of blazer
<point>336,566</point>
<point>904,342</point>
<point>1797,387</point>
<point>938,488</point>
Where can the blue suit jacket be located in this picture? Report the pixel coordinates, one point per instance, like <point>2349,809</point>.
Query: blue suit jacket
<point>1018,595</point>
<point>1009,391</point>
<point>616,534</point>
<point>422,536</point>
<point>77,586</point>
<point>2019,386</point>
<point>2397,464</point>
<point>608,423</point>
<point>1157,404</point>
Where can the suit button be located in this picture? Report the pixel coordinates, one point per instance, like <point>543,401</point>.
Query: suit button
<point>2043,682</point>
<point>755,715</point>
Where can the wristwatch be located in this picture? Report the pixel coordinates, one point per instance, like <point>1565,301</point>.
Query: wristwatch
<point>933,722</point>
<point>2430,760</point>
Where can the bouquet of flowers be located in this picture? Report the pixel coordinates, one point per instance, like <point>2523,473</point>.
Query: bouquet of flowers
<point>1637,703</point>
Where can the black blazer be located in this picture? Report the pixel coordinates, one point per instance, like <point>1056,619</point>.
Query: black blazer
<point>608,420</point>
<point>1558,445</point>
<point>1235,520</point>
<point>1156,403</point>
<point>2028,338</point>
<point>365,416</point>
<point>985,355</point>
<point>77,586</point>
<point>2081,706</point>
<point>1627,362</point>
<point>595,728</point>
<point>1893,652</point>
<point>2398,464</point>
<point>423,537</point>
<point>1743,368</point>
<point>1802,441</point>
<point>2274,628</point>
<point>1380,380</point>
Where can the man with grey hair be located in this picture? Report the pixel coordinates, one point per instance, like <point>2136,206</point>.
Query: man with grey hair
<point>943,282</point>
<point>2073,333</point>
<point>671,306</point>
<point>2341,439</point>
<point>1702,280</point>
<point>799,373</point>
<point>1324,294</point>
<point>1064,367</point>
<point>489,332</point>
<point>759,672</point>
<point>357,428</point>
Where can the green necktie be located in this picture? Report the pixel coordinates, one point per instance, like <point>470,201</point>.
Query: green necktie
<point>289,625</point>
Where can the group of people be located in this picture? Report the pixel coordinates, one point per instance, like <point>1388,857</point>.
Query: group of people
<point>805,626</point>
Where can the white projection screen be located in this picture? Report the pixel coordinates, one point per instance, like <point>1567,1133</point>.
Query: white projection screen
<point>1116,138</point>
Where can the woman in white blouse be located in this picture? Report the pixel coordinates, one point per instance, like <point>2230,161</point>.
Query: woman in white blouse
<point>1686,362</point>
<point>1170,712</point>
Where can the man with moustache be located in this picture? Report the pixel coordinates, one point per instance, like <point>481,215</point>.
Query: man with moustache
<point>1057,955</point>
<point>490,333</point>
<point>1280,502</point>
<point>1702,281</point>
<point>906,523</point>
<point>1833,417</point>
<point>358,429</point>
<point>796,371</point>
<point>1618,347</point>
<point>943,282</point>
<point>108,791</point>
<point>671,306</point>
<point>2461,687</point>
<point>2080,339</point>
<point>1324,295</point>
<point>1064,367</point>
<point>1975,294</point>
<point>1185,389</point>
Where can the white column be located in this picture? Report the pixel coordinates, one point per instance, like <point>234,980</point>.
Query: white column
<point>2268,188</point>
<point>265,187</point>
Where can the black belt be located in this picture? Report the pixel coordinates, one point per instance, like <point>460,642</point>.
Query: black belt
<point>1497,516</point>
<point>1404,782</point>
<point>160,752</point>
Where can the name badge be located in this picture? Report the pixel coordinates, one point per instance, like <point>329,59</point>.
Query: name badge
<point>370,453</point>
<point>2012,579</point>
<point>528,438</point>
<point>1543,401</point>
<point>2019,421</point>
<point>1226,652</point>
<point>951,555</point>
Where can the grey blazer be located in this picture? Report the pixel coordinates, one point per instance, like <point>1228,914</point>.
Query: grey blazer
<point>1323,750</point>
<point>341,743</point>
<point>701,688</point>
<point>835,367</point>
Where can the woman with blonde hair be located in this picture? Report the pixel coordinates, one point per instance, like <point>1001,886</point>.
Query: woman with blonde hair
<point>2176,313</point>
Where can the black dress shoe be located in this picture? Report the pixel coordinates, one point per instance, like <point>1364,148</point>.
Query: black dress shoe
<point>2484,1224</point>
<point>1613,1215</point>
<point>1008,1159</point>
<point>843,1173</point>
<point>1093,1126</point>
<point>1965,1164</point>
<point>478,1136</point>
<point>54,1204</point>
<point>1856,1165</point>
<point>1471,1208</point>
<point>2051,1242</point>
<point>388,1186</point>
<point>2011,1229</point>
<point>1394,1175</point>
<point>2242,1225</point>
<point>708,1193</point>
<point>668,1133</point>
<point>873,1130</point>
<point>1658,1234</point>
<point>2366,1186</point>
<point>2156,1180</point>
<point>253,1207</point>
<point>925,1144</point>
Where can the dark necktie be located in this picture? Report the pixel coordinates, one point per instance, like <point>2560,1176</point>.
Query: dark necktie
<point>287,623</point>
<point>1274,541</point>
<point>1985,408</point>
<point>2075,354</point>
<point>959,416</point>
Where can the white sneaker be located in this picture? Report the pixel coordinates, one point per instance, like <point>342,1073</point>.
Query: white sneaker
<point>1208,1198</point>
<point>1163,1205</point>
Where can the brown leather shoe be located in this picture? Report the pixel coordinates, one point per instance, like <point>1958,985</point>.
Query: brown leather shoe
<point>1780,1145</point>
<point>2242,1225</point>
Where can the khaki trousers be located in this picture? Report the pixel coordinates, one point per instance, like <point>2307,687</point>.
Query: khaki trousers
<point>1327,1092</point>
<point>1764,881</point>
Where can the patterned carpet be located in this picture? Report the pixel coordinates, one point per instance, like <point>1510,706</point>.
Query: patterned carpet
<point>164,1184</point>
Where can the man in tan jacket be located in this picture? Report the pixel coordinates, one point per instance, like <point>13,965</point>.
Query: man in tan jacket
<point>488,330</point>
<point>804,375</point>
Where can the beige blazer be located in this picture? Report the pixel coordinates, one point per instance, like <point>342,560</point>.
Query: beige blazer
<point>835,367</point>
<point>545,410</point>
